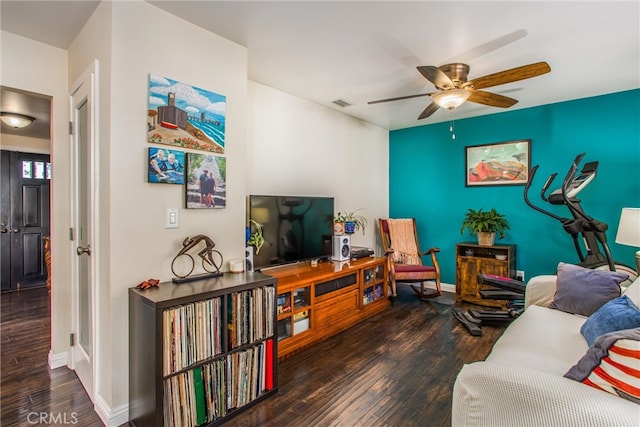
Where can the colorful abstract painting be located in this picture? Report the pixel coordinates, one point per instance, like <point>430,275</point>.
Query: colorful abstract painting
<point>503,163</point>
<point>206,181</point>
<point>185,116</point>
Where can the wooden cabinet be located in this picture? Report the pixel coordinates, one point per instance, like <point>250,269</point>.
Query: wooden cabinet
<point>294,311</point>
<point>314,303</point>
<point>373,280</point>
<point>201,352</point>
<point>473,259</point>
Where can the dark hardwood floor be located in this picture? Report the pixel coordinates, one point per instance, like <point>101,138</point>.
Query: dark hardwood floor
<point>31,393</point>
<point>396,369</point>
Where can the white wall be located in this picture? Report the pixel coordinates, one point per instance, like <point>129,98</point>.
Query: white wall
<point>275,144</point>
<point>296,147</point>
<point>131,40</point>
<point>25,144</point>
<point>40,68</point>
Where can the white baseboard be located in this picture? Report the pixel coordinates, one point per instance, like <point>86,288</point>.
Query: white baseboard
<point>446,287</point>
<point>111,417</point>
<point>57,360</point>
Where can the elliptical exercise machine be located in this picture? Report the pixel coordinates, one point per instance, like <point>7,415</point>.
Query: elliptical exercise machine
<point>580,225</point>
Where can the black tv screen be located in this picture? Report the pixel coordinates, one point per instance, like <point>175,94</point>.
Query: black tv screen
<point>295,228</point>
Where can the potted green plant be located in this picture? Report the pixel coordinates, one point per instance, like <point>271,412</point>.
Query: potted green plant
<point>256,239</point>
<point>486,224</point>
<point>352,221</point>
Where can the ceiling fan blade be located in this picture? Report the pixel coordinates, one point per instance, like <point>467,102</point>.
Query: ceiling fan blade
<point>491,99</point>
<point>398,98</point>
<point>436,76</point>
<point>488,47</point>
<point>431,108</point>
<point>508,76</point>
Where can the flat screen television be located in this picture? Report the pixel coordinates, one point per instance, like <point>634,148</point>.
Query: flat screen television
<point>295,228</point>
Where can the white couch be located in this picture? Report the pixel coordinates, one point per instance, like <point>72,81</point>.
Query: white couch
<point>521,382</point>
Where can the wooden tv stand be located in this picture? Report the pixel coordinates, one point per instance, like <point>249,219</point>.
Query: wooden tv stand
<point>314,303</point>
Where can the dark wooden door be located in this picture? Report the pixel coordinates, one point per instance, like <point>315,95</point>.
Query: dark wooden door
<point>25,218</point>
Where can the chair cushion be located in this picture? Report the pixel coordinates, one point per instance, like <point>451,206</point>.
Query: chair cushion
<point>414,268</point>
<point>385,226</point>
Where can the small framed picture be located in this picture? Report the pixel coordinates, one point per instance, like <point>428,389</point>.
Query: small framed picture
<point>206,181</point>
<point>166,166</point>
<point>503,163</point>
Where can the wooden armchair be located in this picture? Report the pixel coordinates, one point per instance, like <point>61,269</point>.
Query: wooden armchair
<point>400,242</point>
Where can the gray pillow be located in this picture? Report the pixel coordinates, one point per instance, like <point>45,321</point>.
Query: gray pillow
<point>583,291</point>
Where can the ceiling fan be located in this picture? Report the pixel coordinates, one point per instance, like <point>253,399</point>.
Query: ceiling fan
<point>454,89</point>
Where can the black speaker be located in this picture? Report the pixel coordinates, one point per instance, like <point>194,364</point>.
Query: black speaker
<point>248,256</point>
<point>341,248</point>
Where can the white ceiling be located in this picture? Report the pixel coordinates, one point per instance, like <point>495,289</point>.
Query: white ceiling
<point>361,51</point>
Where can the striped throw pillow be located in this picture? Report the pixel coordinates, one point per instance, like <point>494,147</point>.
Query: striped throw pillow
<point>619,372</point>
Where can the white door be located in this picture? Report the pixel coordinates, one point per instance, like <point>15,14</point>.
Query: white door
<point>82,219</point>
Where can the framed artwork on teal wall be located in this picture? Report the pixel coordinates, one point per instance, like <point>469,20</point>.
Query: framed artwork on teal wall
<point>501,163</point>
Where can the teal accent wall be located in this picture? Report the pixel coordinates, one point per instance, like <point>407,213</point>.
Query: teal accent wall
<point>427,176</point>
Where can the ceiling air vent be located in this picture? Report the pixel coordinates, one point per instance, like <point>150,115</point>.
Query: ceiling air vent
<point>342,103</point>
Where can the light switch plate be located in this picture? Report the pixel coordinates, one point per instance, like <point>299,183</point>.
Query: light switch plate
<point>172,218</point>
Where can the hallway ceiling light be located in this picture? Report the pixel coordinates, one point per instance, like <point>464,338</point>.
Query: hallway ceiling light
<point>16,120</point>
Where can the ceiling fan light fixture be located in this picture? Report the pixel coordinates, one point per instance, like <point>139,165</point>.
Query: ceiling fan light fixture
<point>16,120</point>
<point>451,99</point>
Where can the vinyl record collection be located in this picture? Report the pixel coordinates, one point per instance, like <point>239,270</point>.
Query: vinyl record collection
<point>208,392</point>
<point>196,396</point>
<point>201,383</point>
<point>250,315</point>
<point>192,333</point>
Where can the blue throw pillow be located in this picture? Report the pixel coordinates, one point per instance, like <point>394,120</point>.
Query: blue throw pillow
<point>616,315</point>
<point>582,290</point>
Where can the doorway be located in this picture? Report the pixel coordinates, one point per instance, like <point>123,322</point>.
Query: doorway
<point>24,218</point>
<point>83,265</point>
